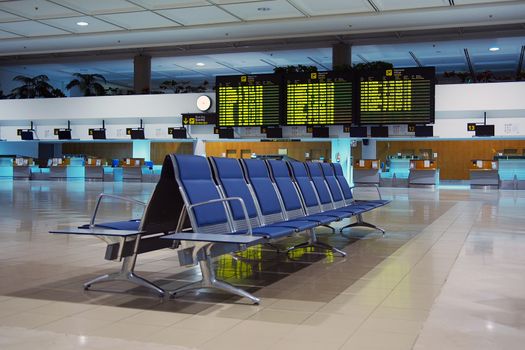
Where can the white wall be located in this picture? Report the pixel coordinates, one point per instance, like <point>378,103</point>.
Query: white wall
<point>456,105</point>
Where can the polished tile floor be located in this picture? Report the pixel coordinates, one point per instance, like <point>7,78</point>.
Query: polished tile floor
<point>449,274</point>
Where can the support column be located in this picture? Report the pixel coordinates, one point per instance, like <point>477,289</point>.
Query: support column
<point>341,54</point>
<point>142,74</point>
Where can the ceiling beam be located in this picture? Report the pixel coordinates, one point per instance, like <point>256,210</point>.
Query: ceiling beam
<point>362,58</point>
<point>469,64</point>
<point>318,63</point>
<point>268,62</point>
<point>231,67</point>
<point>374,6</point>
<point>520,61</point>
<point>416,60</point>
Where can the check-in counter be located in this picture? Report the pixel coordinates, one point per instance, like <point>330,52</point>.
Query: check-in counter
<point>397,173</point>
<point>484,174</point>
<point>6,167</point>
<point>423,172</point>
<point>132,169</point>
<point>94,169</point>
<point>511,170</point>
<point>66,168</point>
<point>366,172</point>
<point>22,168</point>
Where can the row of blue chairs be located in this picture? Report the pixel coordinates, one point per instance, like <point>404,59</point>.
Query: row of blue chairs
<point>222,206</point>
<point>272,199</point>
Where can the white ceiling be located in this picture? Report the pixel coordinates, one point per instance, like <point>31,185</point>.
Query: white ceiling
<point>43,26</point>
<point>31,27</point>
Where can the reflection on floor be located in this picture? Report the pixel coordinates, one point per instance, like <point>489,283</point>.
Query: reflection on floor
<point>447,275</point>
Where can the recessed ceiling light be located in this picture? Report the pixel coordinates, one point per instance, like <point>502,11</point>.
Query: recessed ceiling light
<point>493,49</point>
<point>200,64</point>
<point>263,9</point>
<point>82,23</point>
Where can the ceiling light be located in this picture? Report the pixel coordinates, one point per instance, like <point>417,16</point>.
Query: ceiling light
<point>200,64</point>
<point>82,23</point>
<point>493,49</point>
<point>263,9</point>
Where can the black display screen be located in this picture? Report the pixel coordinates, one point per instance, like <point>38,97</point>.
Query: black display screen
<point>321,98</point>
<point>484,130</point>
<point>64,134</point>
<point>98,134</point>
<point>397,96</point>
<point>248,100</point>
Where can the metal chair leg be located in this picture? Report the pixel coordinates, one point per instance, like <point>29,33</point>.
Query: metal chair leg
<point>330,227</point>
<point>314,242</point>
<point>209,281</point>
<point>362,223</point>
<point>126,274</point>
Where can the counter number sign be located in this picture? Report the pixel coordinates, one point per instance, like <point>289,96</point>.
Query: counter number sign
<point>471,127</point>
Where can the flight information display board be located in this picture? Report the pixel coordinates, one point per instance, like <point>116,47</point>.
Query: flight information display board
<point>321,98</point>
<point>397,96</point>
<point>248,100</point>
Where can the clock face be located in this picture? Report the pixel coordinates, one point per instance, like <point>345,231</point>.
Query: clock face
<point>203,103</point>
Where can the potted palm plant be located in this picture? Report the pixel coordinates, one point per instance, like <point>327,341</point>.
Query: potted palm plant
<point>88,84</point>
<point>32,87</point>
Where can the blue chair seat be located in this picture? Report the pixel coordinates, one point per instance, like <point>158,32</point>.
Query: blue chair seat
<point>355,209</point>
<point>298,224</point>
<point>321,218</point>
<point>270,231</point>
<point>336,213</point>
<point>373,202</point>
<point>131,225</point>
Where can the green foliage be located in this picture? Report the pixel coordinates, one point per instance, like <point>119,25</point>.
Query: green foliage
<point>295,69</point>
<point>57,93</point>
<point>32,87</point>
<point>183,87</point>
<point>373,66</point>
<point>88,84</point>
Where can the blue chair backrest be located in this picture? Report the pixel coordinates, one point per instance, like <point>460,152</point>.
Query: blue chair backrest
<point>281,176</point>
<point>195,177</point>
<point>329,176</point>
<point>231,178</point>
<point>345,187</point>
<point>259,178</point>
<point>316,174</point>
<point>302,180</point>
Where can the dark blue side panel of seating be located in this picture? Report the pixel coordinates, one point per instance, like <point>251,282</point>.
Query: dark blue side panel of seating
<point>303,181</point>
<point>262,186</point>
<point>329,176</point>
<point>317,178</point>
<point>347,192</point>
<point>284,183</point>
<point>195,175</point>
<point>231,178</point>
<point>131,225</point>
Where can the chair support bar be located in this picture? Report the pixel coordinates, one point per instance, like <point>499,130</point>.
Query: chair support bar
<point>314,242</point>
<point>361,222</point>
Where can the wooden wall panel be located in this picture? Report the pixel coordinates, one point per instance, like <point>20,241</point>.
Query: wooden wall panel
<point>296,150</point>
<point>453,156</point>
<point>106,150</point>
<point>160,149</point>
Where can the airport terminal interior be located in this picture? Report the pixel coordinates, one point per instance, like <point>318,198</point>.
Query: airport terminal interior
<point>262,174</point>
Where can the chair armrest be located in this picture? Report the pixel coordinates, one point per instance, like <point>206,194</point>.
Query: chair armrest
<point>229,199</point>
<point>374,185</point>
<point>105,195</point>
